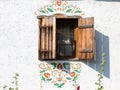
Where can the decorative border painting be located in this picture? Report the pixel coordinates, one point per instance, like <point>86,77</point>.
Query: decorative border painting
<point>59,7</point>
<point>59,74</point>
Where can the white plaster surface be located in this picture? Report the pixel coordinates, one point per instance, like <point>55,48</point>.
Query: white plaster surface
<point>19,41</point>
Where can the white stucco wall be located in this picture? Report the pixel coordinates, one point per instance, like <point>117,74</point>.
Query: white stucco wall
<point>19,44</point>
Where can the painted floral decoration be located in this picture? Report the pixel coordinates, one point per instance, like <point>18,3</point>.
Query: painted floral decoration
<point>59,73</point>
<point>59,6</point>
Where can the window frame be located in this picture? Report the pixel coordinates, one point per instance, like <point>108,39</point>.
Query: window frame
<point>58,16</point>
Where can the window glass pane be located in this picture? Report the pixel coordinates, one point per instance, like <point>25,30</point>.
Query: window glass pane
<point>65,38</point>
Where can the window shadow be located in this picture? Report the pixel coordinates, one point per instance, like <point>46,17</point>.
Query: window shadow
<point>101,45</point>
<point>60,70</point>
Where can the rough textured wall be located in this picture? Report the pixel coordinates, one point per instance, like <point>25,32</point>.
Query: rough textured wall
<point>19,40</point>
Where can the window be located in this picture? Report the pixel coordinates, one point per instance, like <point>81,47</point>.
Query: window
<point>66,37</point>
<point>65,44</point>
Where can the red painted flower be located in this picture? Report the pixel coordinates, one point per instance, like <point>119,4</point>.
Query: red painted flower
<point>59,2</point>
<point>72,74</point>
<point>47,75</point>
<point>59,66</point>
<point>59,79</point>
<point>78,87</point>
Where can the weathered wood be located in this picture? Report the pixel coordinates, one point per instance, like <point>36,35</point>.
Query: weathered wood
<point>39,38</point>
<point>85,26</point>
<point>85,38</point>
<point>50,38</point>
<point>43,39</point>
<point>45,26</point>
<point>76,40</point>
<point>47,43</point>
<point>46,37</point>
<point>54,38</point>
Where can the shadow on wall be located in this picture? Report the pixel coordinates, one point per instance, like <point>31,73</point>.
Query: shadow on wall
<point>109,0</point>
<point>102,45</point>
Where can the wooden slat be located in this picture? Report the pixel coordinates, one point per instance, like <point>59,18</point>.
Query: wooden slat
<point>76,41</point>
<point>46,35</point>
<point>45,26</point>
<point>85,26</point>
<point>54,38</point>
<point>43,39</point>
<point>49,38</point>
<point>86,38</point>
<point>47,43</point>
<point>39,39</point>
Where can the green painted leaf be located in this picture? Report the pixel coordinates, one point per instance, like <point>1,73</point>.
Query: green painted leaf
<point>13,82</point>
<point>68,10</point>
<point>60,85</point>
<point>103,54</point>
<point>99,74</point>
<point>75,78</point>
<point>5,86</point>
<point>56,84</point>
<point>66,65</point>
<point>50,10</point>
<point>43,78</point>
<point>78,11</point>
<point>100,77</point>
<point>16,74</point>
<point>102,64</point>
<point>68,78</point>
<point>102,69</point>
<point>10,88</point>
<point>78,71</point>
<point>102,87</point>
<point>42,71</point>
<point>15,77</point>
<point>96,83</point>
<point>42,11</point>
<point>54,65</point>
<point>49,79</point>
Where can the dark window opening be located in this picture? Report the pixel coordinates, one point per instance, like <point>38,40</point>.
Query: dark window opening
<point>65,38</point>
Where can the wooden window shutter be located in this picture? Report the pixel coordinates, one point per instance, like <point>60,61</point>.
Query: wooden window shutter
<point>84,37</point>
<point>47,38</point>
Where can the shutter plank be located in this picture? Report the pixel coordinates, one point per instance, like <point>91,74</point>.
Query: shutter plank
<point>90,36</point>
<point>46,37</point>
<point>43,39</point>
<point>39,39</point>
<point>76,41</point>
<point>47,43</point>
<point>54,38</point>
<point>85,38</point>
<point>50,38</point>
